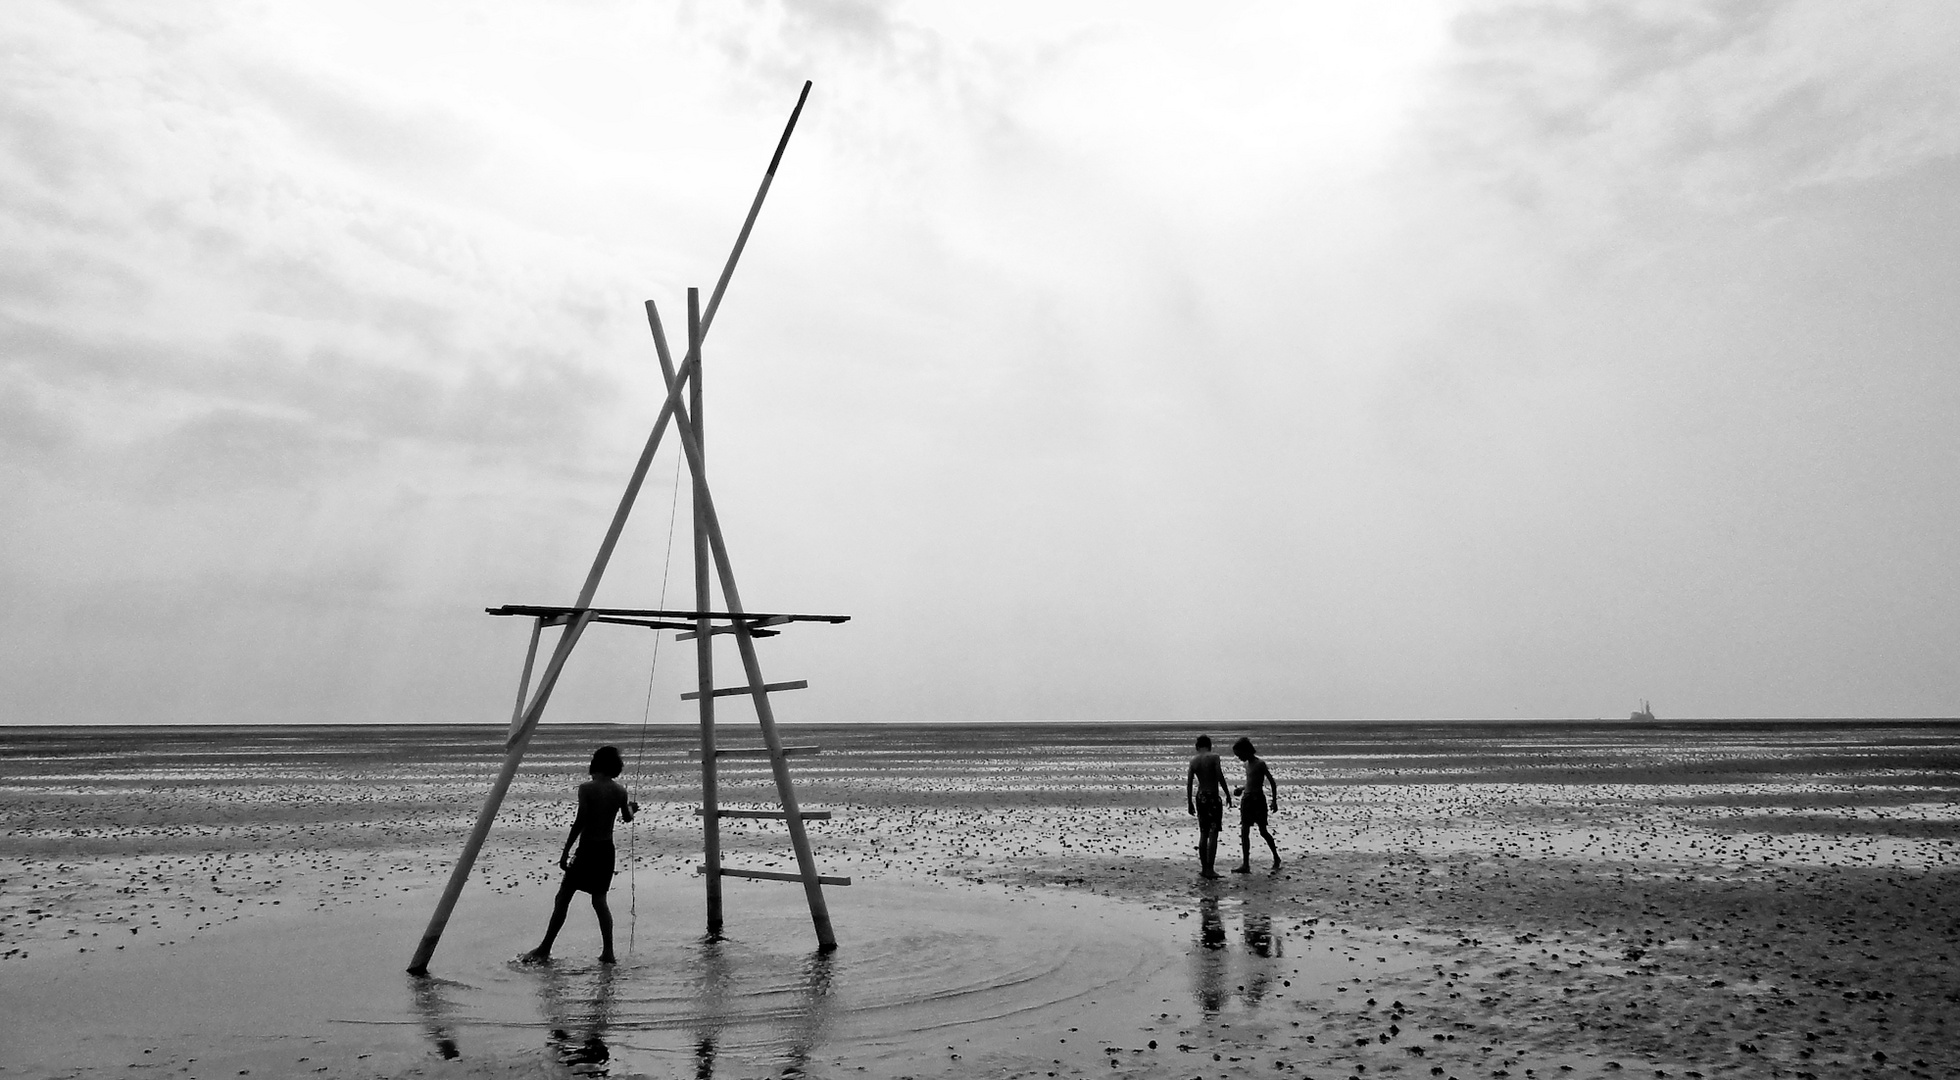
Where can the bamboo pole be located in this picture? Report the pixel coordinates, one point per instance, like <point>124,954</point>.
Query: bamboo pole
<point>704,642</point>
<point>524,680</point>
<point>742,238</point>
<point>765,715</point>
<point>512,755</point>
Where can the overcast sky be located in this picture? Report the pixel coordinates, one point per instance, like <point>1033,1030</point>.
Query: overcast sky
<point>1102,361</point>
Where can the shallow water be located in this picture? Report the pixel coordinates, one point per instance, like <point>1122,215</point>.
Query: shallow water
<point>920,964</point>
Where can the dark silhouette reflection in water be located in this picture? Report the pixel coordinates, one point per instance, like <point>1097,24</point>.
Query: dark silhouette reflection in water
<point>711,992</point>
<point>802,1007</point>
<point>436,1011</point>
<point>1214,959</point>
<point>1262,945</point>
<point>765,1003</point>
<point>1210,959</point>
<point>578,1006</point>
<point>809,1024</point>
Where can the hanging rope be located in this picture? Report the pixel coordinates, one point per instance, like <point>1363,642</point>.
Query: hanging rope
<point>646,714</point>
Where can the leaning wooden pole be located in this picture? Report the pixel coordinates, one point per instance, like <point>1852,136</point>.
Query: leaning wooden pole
<point>524,680</point>
<point>513,754</point>
<point>704,642</point>
<point>748,223</point>
<point>765,714</point>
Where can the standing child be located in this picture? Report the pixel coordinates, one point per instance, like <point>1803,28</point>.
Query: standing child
<point>1252,805</point>
<point>600,799</point>
<point>1205,797</point>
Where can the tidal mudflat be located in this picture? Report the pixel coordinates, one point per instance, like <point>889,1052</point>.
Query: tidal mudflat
<point>1457,899</point>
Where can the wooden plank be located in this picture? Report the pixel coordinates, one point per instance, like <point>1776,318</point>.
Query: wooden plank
<point>754,628</point>
<point>694,635</point>
<point>759,751</point>
<point>774,815</point>
<point>774,875</point>
<point>750,617</point>
<point>650,624</point>
<point>733,691</point>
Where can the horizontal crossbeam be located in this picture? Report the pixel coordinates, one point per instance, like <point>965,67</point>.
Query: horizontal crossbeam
<point>732,691</point>
<point>777,815</point>
<point>650,624</point>
<point>757,751</point>
<point>546,611</point>
<point>773,875</point>
<point>755,628</point>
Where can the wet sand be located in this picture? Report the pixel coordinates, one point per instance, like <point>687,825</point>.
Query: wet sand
<point>1457,900</point>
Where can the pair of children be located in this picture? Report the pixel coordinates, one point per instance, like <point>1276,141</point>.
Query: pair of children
<point>1205,796</point>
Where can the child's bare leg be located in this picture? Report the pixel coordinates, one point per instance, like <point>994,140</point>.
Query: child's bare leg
<point>1245,849</point>
<point>558,909</point>
<point>604,913</point>
<point>1270,845</point>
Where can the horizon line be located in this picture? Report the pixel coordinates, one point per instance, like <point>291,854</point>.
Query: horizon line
<point>688,725</point>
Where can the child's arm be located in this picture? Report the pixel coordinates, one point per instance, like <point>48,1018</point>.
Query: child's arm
<point>1190,776</point>
<point>1275,786</point>
<point>565,856</point>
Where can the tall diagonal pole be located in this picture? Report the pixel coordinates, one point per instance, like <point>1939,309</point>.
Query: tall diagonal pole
<point>765,714</point>
<point>742,238</point>
<point>520,736</point>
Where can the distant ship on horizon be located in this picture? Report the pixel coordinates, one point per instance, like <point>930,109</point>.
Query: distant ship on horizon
<point>1646,711</point>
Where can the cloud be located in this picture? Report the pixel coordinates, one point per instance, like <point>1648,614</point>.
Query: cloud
<point>230,451</point>
<point>176,254</point>
<point>1610,106</point>
<point>32,434</point>
<point>390,137</point>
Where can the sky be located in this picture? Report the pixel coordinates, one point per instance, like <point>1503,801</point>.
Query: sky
<point>1419,358</point>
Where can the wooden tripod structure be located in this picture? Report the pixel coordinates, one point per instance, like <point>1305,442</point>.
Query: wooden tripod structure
<point>702,624</point>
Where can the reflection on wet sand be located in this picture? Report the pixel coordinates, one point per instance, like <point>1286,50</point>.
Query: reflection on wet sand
<point>578,1008</point>
<point>725,1014</point>
<point>744,1005</point>
<point>711,1012</point>
<point>1262,944</point>
<point>1213,959</point>
<point>803,1009</point>
<point>437,1014</point>
<point>809,1024</point>
<point>1210,959</point>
